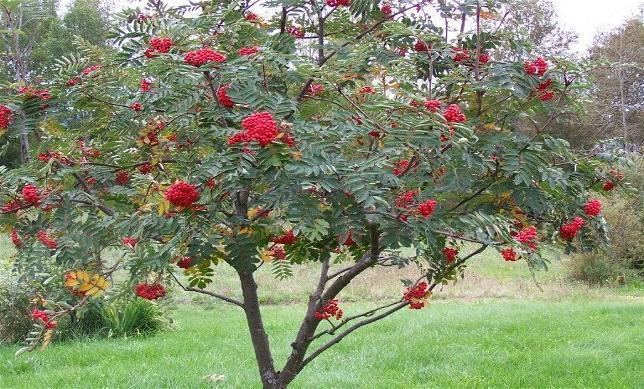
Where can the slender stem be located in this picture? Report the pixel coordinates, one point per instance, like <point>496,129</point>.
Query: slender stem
<point>207,292</point>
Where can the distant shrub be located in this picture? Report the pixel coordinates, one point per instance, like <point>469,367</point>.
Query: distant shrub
<point>624,256</point>
<point>15,319</point>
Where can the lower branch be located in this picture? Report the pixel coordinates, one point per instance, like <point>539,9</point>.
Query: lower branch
<point>207,292</point>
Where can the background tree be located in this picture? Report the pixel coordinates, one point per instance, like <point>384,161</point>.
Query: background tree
<point>35,35</point>
<point>208,140</point>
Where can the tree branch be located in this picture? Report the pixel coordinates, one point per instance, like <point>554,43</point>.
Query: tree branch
<point>207,292</point>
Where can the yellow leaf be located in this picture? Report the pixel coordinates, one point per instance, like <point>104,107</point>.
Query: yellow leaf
<point>164,207</point>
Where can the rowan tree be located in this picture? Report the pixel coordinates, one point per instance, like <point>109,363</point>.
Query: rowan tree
<point>332,133</point>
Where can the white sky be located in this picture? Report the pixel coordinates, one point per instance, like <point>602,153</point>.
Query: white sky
<point>585,17</point>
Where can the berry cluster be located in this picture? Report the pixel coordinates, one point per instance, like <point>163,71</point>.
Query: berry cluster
<point>29,91</point>
<point>5,116</point>
<point>315,89</point>
<point>593,207</point>
<point>295,31</point>
<point>450,254</point>
<point>405,199</point>
<point>55,155</point>
<point>37,314</point>
<point>367,90</point>
<point>528,236</point>
<point>349,240</point>
<point>569,230</point>
<point>610,184</point>
<point>15,238</point>
<point>47,240</point>
<point>421,46</point>
<point>251,17</point>
<point>122,178</point>
<point>203,56</point>
<point>182,194</point>
<point>338,3</point>
<point>402,166</point>
<point>129,242</point>
<point>543,91</point>
<point>223,98</point>
<point>427,208</point>
<point>509,254</point>
<point>184,262</point>
<point>145,168</point>
<point>286,238</point>
<point>31,194</point>
<point>158,45</point>
<point>537,67</point>
<point>460,55</point>
<point>136,107</point>
<point>453,114</point>
<point>149,291</point>
<point>260,127</point>
<point>432,105</point>
<point>91,69</point>
<point>328,310</point>
<point>248,50</point>
<point>145,85</point>
<point>484,58</point>
<point>278,252</point>
<point>386,9</point>
<point>11,206</point>
<point>416,295</point>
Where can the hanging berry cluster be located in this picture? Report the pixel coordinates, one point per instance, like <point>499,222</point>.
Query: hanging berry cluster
<point>203,56</point>
<point>223,98</point>
<point>5,116</point>
<point>259,127</point>
<point>417,295</point>
<point>328,310</point>
<point>182,194</point>
<point>537,67</point>
<point>150,291</point>
<point>569,230</point>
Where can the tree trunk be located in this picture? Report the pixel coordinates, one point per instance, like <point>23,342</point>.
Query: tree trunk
<point>257,332</point>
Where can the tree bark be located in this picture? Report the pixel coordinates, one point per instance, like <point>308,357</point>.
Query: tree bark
<point>257,332</point>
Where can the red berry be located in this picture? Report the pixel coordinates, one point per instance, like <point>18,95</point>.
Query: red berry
<point>509,254</point>
<point>259,127</point>
<point>122,178</point>
<point>416,295</point>
<point>251,17</point>
<point>328,310</point>
<point>286,239</point>
<point>295,31</point>
<point>31,194</point>
<point>460,55</point>
<point>223,98</point>
<point>182,194</point>
<point>47,240</point>
<point>427,208</point>
<point>315,89</point>
<point>203,56</point>
<point>453,114</point>
<point>150,291</point>
<point>608,186</point>
<point>432,105</point>
<point>5,116</point>
<point>421,46</point>
<point>145,85</point>
<point>129,242</point>
<point>184,262</point>
<point>386,9</point>
<point>145,168</point>
<point>528,236</point>
<point>15,238</point>
<point>450,254</point>
<point>593,207</point>
<point>136,107</point>
<point>248,50</point>
<point>569,230</point>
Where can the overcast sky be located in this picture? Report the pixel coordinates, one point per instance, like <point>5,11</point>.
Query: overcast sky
<point>585,17</point>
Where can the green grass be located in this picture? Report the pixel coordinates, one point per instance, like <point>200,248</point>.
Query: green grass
<point>495,343</point>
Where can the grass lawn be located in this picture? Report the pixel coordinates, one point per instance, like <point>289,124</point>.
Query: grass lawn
<point>574,343</point>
